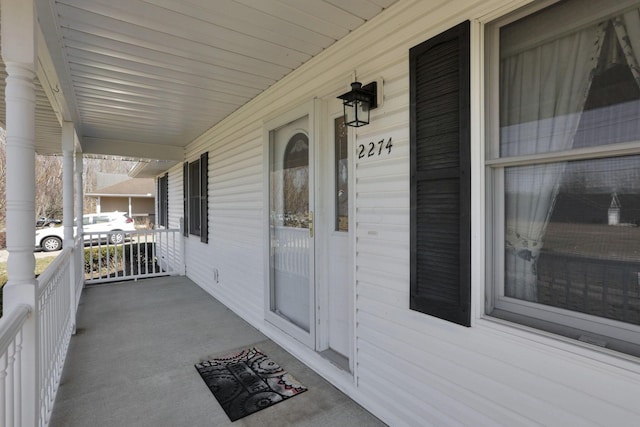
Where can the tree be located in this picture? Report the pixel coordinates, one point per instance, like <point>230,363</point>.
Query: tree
<point>48,179</point>
<point>48,186</point>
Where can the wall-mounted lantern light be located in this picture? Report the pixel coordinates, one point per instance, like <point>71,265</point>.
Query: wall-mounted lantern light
<point>358,103</point>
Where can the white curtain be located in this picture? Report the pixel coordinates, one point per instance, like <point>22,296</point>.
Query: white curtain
<point>627,28</point>
<point>543,91</point>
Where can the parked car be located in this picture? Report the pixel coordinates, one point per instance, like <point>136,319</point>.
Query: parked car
<point>50,238</point>
<point>47,222</point>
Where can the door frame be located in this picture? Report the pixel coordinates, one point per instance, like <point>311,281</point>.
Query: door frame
<point>311,110</point>
<point>325,187</point>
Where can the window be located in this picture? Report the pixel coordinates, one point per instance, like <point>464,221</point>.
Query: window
<point>163,201</point>
<point>563,161</point>
<point>295,181</point>
<point>440,176</point>
<point>341,165</point>
<point>101,219</point>
<point>195,183</point>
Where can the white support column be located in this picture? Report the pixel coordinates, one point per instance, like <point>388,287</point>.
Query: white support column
<point>79,207</point>
<point>80,193</point>
<point>68,143</point>
<point>130,210</point>
<point>68,163</point>
<point>99,205</point>
<point>17,28</point>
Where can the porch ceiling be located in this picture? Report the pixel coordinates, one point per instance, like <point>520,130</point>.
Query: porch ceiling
<point>143,78</point>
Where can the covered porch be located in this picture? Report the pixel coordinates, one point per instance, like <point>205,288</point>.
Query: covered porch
<point>378,256</point>
<point>141,81</point>
<point>131,363</point>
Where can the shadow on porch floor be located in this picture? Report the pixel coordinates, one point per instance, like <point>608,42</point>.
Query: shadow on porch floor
<point>131,363</point>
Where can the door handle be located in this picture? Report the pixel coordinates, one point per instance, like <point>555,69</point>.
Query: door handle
<point>311,224</point>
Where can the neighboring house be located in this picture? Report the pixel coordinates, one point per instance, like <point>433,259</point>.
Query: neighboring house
<point>135,196</point>
<point>448,264</point>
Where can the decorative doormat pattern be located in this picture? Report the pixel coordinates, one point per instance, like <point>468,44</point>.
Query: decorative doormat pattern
<point>247,381</point>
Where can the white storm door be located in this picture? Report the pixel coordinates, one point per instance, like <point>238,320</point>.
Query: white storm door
<point>291,292</point>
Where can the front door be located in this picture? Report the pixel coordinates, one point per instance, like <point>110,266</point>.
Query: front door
<point>291,227</point>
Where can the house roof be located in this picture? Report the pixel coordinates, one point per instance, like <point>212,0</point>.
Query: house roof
<point>133,187</point>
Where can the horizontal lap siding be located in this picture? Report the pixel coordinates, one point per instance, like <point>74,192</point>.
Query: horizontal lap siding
<point>175,196</point>
<point>411,368</point>
<point>235,225</point>
<point>237,198</point>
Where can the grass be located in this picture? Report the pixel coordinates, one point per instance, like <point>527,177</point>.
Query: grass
<point>41,265</point>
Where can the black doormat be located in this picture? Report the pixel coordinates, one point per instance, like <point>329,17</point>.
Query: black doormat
<point>247,381</point>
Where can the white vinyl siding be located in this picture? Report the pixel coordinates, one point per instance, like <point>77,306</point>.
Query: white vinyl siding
<point>175,197</point>
<point>437,373</point>
<point>235,226</point>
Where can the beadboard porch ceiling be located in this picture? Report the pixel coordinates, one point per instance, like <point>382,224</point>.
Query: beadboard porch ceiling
<point>149,76</point>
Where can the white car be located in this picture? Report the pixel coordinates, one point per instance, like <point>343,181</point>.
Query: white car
<point>50,238</point>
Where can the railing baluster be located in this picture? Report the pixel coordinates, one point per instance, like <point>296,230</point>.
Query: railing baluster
<point>625,294</point>
<point>567,284</point>
<point>99,244</point>
<point>144,261</point>
<point>7,382</point>
<point>137,259</point>
<point>17,378</point>
<point>585,289</point>
<point>150,251</point>
<point>116,265</point>
<point>153,255</point>
<point>4,397</point>
<point>111,265</point>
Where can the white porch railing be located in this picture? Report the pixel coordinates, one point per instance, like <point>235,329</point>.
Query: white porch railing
<point>34,343</point>
<point>56,321</point>
<point>290,249</point>
<point>118,255</point>
<point>11,331</point>
<point>29,379</point>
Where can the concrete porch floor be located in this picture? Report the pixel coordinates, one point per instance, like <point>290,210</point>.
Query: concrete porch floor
<point>131,363</point>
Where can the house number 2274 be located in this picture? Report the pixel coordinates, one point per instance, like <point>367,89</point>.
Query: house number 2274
<point>374,148</point>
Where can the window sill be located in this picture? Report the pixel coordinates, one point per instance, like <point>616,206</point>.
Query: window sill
<point>568,348</point>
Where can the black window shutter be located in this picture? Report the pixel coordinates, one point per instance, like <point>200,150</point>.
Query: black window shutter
<point>162,195</point>
<point>204,201</point>
<point>185,198</point>
<point>440,176</point>
<point>194,198</point>
<point>159,200</point>
<point>165,200</point>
